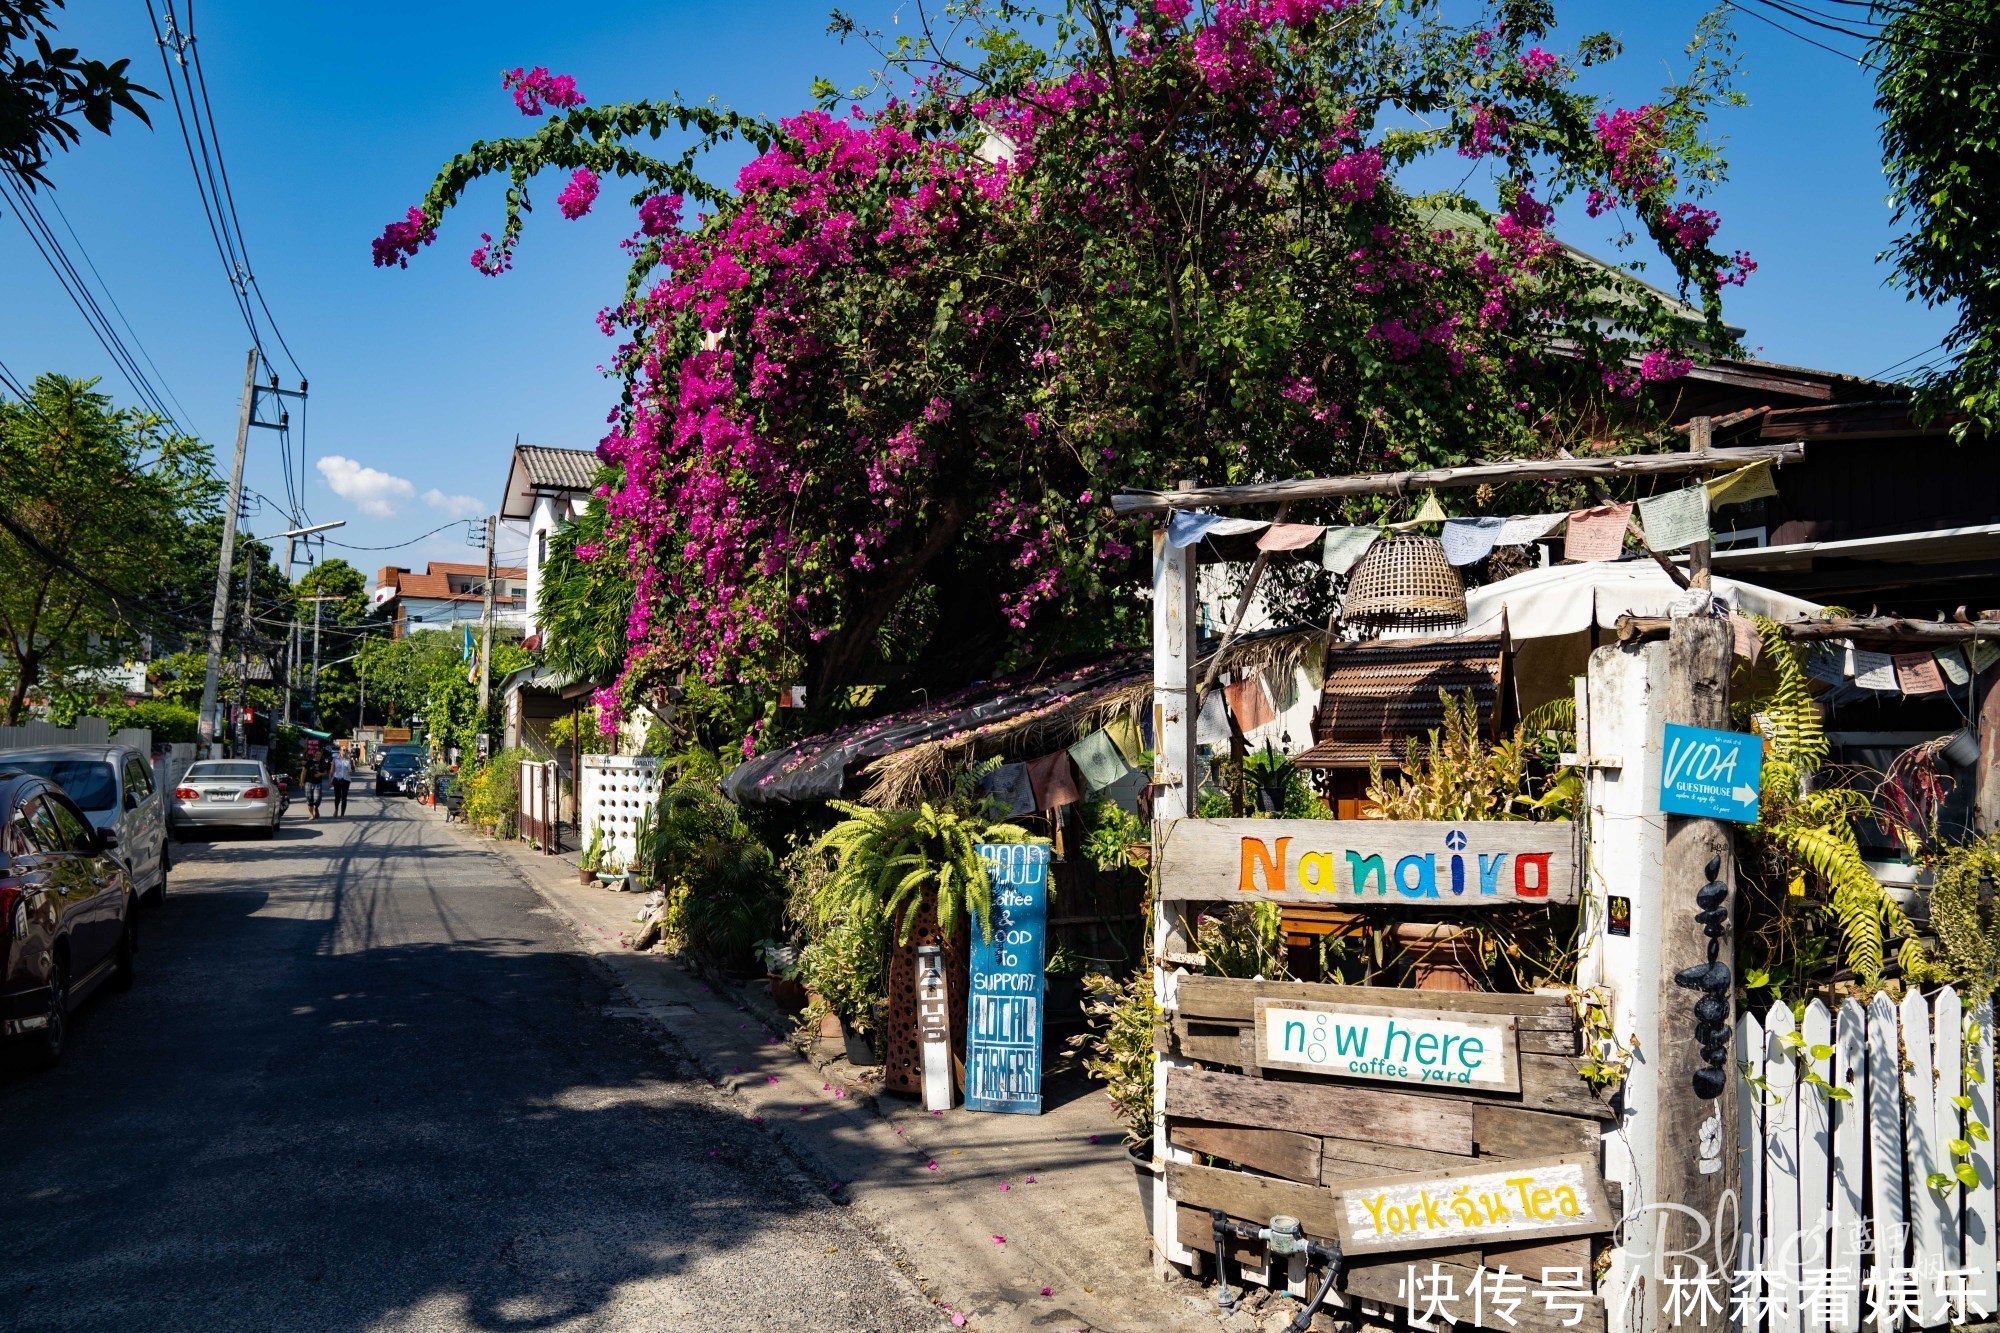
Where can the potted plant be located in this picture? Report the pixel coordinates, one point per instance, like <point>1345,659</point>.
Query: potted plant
<point>1119,1054</point>
<point>842,966</point>
<point>592,859</point>
<point>781,970</point>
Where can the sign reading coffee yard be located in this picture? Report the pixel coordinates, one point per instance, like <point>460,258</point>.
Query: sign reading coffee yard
<point>1370,862</point>
<point>1517,1201</point>
<point>1466,1052</point>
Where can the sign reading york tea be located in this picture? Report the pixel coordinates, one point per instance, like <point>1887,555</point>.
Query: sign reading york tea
<point>1536,1200</point>
<point>1370,862</point>
<point>1440,1049</point>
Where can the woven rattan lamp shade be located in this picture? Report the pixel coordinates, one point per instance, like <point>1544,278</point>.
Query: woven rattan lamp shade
<point>1405,583</point>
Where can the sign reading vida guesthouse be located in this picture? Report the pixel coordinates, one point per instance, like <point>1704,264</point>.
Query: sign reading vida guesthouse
<point>1411,863</point>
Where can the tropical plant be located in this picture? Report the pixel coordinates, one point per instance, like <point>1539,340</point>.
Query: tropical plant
<point>1141,240</point>
<point>1941,152</point>
<point>1967,928</point>
<point>889,862</point>
<point>723,890</point>
<point>100,504</point>
<point>1454,773</point>
<point>1805,834</point>
<point>1119,1047</point>
<point>492,792</point>
<point>1243,940</point>
<point>843,965</point>
<point>1109,833</point>
<point>45,86</point>
<point>593,851</point>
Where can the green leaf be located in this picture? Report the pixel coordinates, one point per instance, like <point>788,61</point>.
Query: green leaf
<point>1962,1102</point>
<point>1822,1052</point>
<point>1840,1094</point>
<point>1976,1131</point>
<point>1959,1148</point>
<point>1965,1172</point>
<point>1938,1181</point>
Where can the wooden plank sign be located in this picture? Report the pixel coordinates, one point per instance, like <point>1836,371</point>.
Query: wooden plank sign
<point>934,1026</point>
<point>1370,862</point>
<point>1003,1055</point>
<point>1439,1049</point>
<point>1540,1200</point>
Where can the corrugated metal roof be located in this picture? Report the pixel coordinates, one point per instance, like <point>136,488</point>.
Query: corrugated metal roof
<point>1379,695</point>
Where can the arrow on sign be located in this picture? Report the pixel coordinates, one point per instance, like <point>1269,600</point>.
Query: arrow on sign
<point>1745,795</point>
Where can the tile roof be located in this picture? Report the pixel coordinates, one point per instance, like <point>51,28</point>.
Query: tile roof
<point>1381,694</point>
<point>558,469</point>
<point>435,581</point>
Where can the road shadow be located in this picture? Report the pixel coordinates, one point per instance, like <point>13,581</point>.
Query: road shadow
<point>366,1094</point>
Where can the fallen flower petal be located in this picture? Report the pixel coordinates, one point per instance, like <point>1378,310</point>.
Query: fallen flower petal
<point>1029,1181</point>
<point>1005,1186</point>
<point>930,1166</point>
<point>1048,1291</point>
<point>999,1240</point>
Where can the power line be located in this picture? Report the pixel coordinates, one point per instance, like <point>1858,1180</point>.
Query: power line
<point>1790,32</point>
<point>397,546</point>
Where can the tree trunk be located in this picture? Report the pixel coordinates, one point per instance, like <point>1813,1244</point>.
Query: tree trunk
<point>847,652</point>
<point>30,671</point>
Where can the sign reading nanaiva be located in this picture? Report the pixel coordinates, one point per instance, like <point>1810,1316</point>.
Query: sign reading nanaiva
<point>1364,862</point>
<point>1465,1052</point>
<point>1003,1042</point>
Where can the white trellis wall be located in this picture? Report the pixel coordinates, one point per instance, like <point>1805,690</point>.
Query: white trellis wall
<point>617,790</point>
<point>1841,1228</point>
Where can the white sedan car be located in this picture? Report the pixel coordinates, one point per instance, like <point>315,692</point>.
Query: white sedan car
<point>228,793</point>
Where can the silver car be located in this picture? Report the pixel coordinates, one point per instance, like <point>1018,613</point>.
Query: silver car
<point>114,786</point>
<point>228,793</point>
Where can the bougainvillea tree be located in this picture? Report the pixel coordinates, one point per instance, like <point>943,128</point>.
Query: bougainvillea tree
<point>894,372</point>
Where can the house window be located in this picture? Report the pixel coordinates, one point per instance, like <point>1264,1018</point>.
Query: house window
<point>1742,539</point>
<point>541,547</point>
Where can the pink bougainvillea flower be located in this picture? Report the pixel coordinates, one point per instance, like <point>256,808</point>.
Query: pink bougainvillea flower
<point>660,214</point>
<point>1048,1291</point>
<point>403,238</point>
<point>577,196</point>
<point>930,1166</point>
<point>957,1319</point>
<point>1005,1186</point>
<point>534,87</point>
<point>999,1240</point>
<point>1029,1181</point>
<point>840,1092</point>
<point>770,1078</point>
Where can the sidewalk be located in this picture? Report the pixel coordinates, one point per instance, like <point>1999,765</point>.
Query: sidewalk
<point>1017,1223</point>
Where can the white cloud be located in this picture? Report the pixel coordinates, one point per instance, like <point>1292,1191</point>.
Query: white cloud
<point>370,490</point>
<point>458,506</point>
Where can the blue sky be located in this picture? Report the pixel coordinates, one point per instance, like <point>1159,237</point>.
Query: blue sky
<point>335,116</point>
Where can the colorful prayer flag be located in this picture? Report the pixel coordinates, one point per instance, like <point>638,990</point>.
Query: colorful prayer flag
<point>1675,520</point>
<point>1917,673</point>
<point>1290,536</point>
<point>1343,547</point>
<point>1596,534</point>
<point>1467,541</point>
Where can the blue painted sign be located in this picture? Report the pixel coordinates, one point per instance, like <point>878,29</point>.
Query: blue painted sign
<point>1003,1043</point>
<point>1711,774</point>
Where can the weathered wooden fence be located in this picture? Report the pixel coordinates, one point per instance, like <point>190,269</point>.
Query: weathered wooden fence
<point>539,818</point>
<point>1845,1222</point>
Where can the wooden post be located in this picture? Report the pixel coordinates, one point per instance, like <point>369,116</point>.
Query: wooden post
<point>1701,437</point>
<point>1696,1184</point>
<point>1986,777</point>
<point>1176,775</point>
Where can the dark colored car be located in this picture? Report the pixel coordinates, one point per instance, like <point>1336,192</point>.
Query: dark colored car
<point>401,770</point>
<point>68,918</point>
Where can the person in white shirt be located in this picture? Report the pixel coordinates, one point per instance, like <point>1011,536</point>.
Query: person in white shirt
<point>343,777</point>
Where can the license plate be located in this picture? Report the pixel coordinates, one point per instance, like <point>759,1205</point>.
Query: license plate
<point>222,796</point>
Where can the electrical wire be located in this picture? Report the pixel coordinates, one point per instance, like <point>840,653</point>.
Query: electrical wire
<point>397,546</point>
<point>1790,32</point>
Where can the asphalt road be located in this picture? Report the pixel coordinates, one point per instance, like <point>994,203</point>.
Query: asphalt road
<point>366,1081</point>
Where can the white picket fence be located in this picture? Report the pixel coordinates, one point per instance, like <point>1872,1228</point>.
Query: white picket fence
<point>1840,1226</point>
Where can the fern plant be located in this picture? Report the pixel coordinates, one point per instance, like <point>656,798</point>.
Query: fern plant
<point>1810,832</point>
<point>889,861</point>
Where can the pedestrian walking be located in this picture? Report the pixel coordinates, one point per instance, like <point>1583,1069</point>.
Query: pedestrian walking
<point>342,774</point>
<point>315,778</point>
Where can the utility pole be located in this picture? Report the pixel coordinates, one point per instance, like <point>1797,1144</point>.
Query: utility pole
<point>242,733</point>
<point>218,617</point>
<point>317,721</point>
<point>486,631</point>
<point>291,630</point>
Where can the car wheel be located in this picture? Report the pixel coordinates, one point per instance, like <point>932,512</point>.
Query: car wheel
<point>125,969</point>
<point>158,893</point>
<point>268,832</point>
<point>49,1042</point>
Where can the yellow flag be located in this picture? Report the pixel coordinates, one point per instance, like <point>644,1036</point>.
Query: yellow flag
<point>1428,512</point>
<point>1742,486</point>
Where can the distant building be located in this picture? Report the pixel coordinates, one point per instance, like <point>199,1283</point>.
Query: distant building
<point>545,488</point>
<point>447,596</point>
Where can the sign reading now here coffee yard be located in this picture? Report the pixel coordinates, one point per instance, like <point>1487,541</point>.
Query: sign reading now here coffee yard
<point>1463,1051</point>
<point>1517,1201</point>
<point>1370,862</point>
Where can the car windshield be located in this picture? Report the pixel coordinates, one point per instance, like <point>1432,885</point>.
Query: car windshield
<point>399,763</point>
<point>89,782</point>
<point>212,771</point>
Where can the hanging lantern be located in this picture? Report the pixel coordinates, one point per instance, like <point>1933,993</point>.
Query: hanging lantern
<point>1405,583</point>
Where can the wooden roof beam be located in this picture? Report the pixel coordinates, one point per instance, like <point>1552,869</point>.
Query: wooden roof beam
<point>1459,478</point>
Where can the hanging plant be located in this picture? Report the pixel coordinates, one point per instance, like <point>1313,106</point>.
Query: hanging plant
<point>889,861</point>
